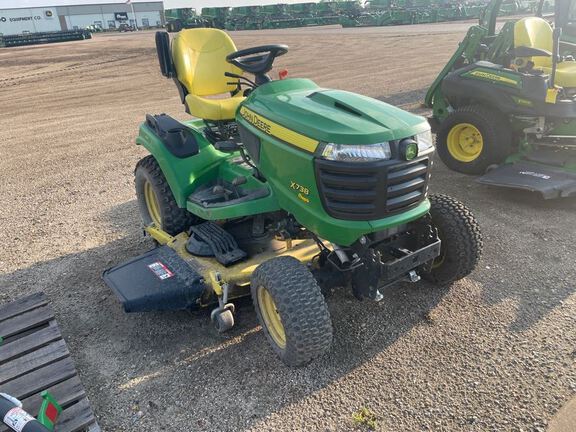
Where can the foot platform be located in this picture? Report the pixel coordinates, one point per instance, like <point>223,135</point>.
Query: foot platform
<point>221,243</point>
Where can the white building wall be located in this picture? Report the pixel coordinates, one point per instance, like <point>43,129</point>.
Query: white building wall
<point>154,18</point>
<point>17,21</point>
<point>82,21</point>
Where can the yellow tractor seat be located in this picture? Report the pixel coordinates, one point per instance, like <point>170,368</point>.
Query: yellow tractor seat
<point>534,32</point>
<point>565,74</point>
<point>213,109</point>
<point>199,57</point>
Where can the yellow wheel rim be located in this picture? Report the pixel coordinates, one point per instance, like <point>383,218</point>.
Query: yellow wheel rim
<point>152,204</point>
<point>465,142</point>
<point>271,317</point>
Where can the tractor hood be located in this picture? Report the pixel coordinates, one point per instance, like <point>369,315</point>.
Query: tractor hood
<point>332,115</point>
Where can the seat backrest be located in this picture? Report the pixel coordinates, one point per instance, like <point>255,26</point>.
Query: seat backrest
<point>199,57</point>
<point>534,32</point>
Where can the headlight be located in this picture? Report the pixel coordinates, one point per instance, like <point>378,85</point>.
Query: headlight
<point>356,152</point>
<point>425,141</point>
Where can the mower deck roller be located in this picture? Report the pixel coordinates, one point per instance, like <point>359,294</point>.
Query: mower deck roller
<point>281,187</point>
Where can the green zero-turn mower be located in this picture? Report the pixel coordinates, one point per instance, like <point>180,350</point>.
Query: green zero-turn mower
<point>505,104</point>
<point>279,188</point>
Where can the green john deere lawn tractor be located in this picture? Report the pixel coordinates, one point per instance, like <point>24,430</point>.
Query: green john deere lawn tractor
<point>505,104</point>
<point>278,188</point>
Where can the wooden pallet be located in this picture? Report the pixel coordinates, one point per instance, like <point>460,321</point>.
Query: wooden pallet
<point>34,358</point>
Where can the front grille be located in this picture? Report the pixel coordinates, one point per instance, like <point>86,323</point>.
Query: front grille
<point>371,190</point>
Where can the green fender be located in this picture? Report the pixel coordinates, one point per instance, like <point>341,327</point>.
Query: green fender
<point>183,174</point>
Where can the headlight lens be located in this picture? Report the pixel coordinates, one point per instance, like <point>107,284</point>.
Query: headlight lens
<point>356,152</point>
<point>425,141</point>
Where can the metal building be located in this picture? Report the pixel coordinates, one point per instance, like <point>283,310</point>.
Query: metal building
<point>56,15</point>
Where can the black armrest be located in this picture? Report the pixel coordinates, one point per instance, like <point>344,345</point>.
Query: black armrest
<point>177,138</point>
<point>524,51</point>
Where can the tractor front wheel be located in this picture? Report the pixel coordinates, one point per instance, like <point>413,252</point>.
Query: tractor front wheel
<point>156,201</point>
<point>291,310</point>
<point>473,138</point>
<point>461,239</point>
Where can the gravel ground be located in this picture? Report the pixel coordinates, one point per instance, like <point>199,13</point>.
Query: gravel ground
<point>494,352</point>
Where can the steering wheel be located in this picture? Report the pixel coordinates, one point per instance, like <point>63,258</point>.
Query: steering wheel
<point>257,60</point>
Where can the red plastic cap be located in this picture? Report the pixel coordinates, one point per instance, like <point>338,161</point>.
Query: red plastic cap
<point>283,74</point>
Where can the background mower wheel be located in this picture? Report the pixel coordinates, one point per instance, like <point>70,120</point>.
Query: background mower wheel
<point>291,310</point>
<point>461,240</point>
<point>155,200</point>
<point>472,138</point>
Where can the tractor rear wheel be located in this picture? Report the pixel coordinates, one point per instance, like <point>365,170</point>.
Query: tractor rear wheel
<point>461,238</point>
<point>156,201</point>
<point>473,138</point>
<point>291,310</point>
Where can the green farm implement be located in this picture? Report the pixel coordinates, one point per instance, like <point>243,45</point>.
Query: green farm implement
<point>184,18</point>
<point>349,13</point>
<point>43,38</point>
<point>504,106</point>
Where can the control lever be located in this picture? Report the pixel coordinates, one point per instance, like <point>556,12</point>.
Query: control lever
<point>221,190</point>
<point>218,189</point>
<point>233,75</point>
<point>238,181</point>
<point>239,77</point>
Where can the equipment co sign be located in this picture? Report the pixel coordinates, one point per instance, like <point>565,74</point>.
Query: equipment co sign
<point>17,21</point>
<point>26,18</point>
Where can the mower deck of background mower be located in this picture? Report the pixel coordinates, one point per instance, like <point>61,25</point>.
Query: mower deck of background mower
<point>543,171</point>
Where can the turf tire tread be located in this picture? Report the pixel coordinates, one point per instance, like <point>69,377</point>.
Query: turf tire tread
<point>301,306</point>
<point>174,219</point>
<point>460,232</point>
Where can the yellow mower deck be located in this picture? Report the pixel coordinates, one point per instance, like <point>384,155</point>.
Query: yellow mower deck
<point>170,278</point>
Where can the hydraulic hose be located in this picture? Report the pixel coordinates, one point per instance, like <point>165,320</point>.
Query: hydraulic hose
<point>13,416</point>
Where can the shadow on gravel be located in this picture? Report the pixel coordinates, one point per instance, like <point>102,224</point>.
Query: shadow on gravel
<point>141,370</point>
<point>146,367</point>
<point>535,252</point>
<point>528,245</point>
<point>529,200</point>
